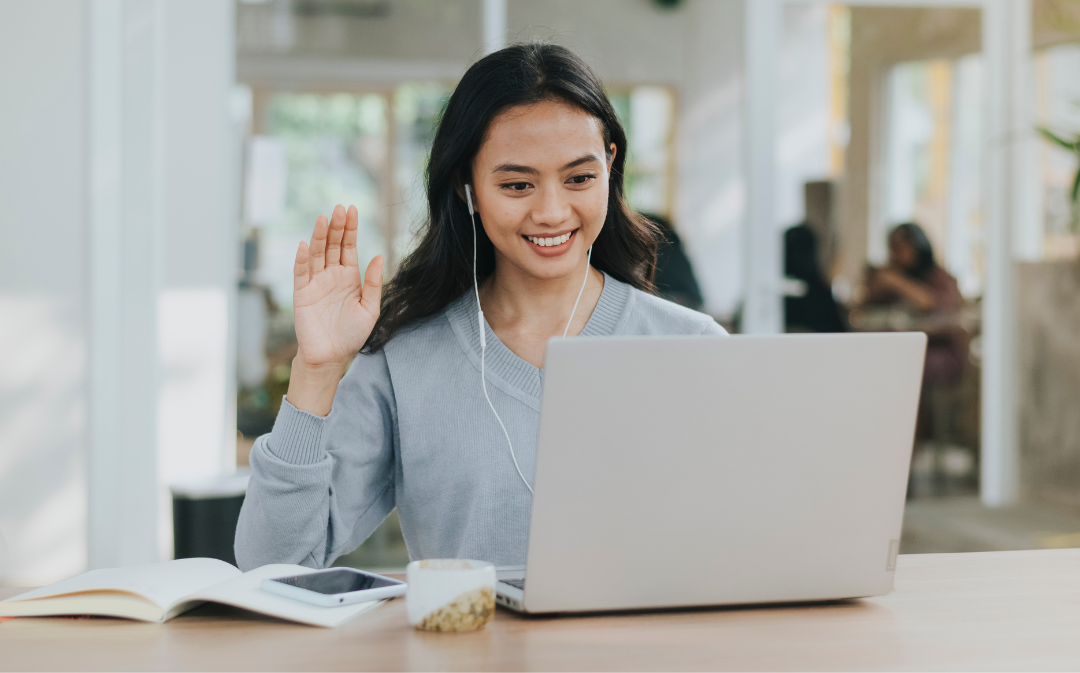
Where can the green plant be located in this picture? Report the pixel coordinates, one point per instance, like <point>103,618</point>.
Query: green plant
<point>1072,145</point>
<point>1064,17</point>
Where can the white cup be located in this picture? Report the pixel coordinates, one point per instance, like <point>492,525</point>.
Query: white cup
<point>450,594</point>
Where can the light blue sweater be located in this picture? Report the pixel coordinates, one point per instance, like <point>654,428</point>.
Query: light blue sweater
<point>410,429</point>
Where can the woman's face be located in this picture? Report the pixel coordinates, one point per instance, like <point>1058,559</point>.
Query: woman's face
<point>541,185</point>
<point>901,253</point>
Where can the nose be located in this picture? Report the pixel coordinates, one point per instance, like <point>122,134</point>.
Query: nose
<point>551,208</point>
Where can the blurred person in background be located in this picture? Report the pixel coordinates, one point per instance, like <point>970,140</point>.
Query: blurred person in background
<point>812,308</point>
<point>915,293</point>
<point>390,402</point>
<point>913,280</point>
<point>675,280</point>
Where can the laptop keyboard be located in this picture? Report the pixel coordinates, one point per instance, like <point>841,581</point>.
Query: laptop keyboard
<point>520,584</point>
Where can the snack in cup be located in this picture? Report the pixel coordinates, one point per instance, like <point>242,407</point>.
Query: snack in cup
<point>450,594</point>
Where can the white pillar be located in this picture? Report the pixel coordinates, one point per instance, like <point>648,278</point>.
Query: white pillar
<point>494,25</point>
<point>1024,175</point>
<point>163,264</point>
<point>763,308</point>
<point>124,198</point>
<point>1007,53</point>
<point>196,419</point>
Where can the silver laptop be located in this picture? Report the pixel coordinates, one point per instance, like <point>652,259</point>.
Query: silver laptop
<point>683,471</point>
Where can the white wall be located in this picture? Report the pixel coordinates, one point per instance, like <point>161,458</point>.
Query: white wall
<point>625,41</point>
<point>117,227</point>
<point>42,277</point>
<point>711,196</point>
<point>802,111</point>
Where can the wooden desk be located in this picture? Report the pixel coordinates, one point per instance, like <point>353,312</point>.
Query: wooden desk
<point>995,610</point>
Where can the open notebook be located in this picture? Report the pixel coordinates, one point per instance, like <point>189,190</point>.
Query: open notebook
<point>160,591</point>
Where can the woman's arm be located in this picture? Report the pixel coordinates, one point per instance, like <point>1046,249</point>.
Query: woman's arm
<point>919,295</point>
<point>292,512</point>
<point>333,311</point>
<point>321,485</point>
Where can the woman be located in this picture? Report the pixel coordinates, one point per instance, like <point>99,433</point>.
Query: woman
<point>915,279</point>
<point>531,140</point>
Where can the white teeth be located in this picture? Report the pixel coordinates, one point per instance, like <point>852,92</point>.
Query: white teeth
<point>546,242</point>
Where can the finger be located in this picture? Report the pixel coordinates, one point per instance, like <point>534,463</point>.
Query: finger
<point>300,267</point>
<point>317,247</point>
<point>371,295</point>
<point>333,241</point>
<point>348,243</point>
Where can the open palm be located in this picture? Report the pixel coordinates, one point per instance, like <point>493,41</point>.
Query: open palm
<point>334,312</point>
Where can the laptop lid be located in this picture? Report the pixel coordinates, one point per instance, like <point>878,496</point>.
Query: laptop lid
<point>676,471</point>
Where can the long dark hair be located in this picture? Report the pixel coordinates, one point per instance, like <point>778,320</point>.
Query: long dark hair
<point>914,236</point>
<point>440,268</point>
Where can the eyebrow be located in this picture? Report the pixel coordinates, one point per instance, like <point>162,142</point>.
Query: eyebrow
<point>529,170</point>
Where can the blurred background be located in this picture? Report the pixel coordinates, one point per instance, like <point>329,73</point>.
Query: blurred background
<point>160,160</point>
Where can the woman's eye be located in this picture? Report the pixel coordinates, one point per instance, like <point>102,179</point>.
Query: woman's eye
<point>581,179</point>
<point>516,186</point>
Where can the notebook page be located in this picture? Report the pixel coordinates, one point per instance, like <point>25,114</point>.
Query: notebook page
<point>106,604</point>
<point>161,583</point>
<point>244,592</point>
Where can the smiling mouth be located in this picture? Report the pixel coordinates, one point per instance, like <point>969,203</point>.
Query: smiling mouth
<point>550,241</point>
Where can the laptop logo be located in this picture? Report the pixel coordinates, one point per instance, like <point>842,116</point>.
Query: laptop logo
<point>894,549</point>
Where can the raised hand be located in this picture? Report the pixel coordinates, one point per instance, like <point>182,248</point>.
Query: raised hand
<point>333,311</point>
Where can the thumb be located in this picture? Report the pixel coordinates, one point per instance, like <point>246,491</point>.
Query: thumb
<point>371,294</point>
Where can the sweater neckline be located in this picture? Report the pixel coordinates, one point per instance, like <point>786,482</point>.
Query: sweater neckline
<point>503,367</point>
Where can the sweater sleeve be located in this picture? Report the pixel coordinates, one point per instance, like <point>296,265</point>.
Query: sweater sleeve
<point>712,328</point>
<point>320,486</point>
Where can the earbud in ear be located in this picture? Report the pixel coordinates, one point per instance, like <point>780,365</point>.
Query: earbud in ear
<point>468,199</point>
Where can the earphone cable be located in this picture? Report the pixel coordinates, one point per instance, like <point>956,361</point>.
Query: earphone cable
<point>588,261</point>
<point>483,333</point>
<point>513,456</point>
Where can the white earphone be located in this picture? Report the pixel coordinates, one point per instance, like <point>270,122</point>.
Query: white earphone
<point>483,335</point>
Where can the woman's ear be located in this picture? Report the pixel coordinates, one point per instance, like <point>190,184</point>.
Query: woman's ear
<point>613,150</point>
<point>464,177</point>
<point>459,189</point>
